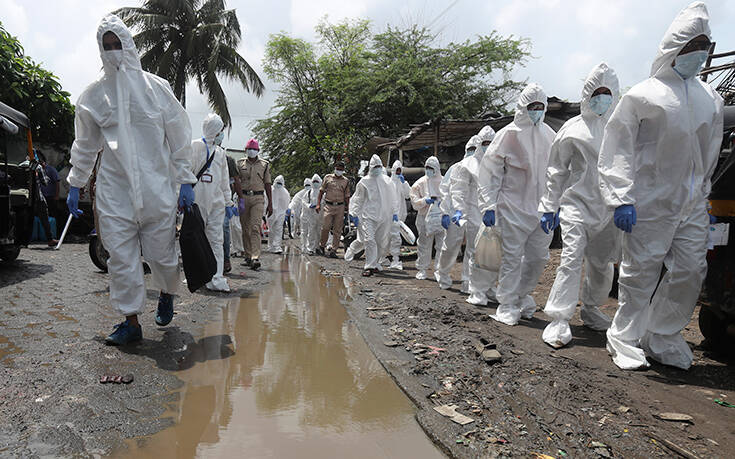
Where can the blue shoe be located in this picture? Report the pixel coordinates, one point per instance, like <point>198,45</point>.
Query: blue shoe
<point>165,311</point>
<point>125,334</point>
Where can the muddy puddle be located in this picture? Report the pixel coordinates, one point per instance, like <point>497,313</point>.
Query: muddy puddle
<point>286,374</point>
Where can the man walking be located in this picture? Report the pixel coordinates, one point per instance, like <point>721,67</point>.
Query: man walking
<point>336,193</point>
<point>255,177</point>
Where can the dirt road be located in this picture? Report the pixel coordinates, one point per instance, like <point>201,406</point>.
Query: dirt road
<point>572,402</point>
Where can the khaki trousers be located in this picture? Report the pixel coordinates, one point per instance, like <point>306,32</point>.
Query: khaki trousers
<point>250,220</point>
<point>333,221</point>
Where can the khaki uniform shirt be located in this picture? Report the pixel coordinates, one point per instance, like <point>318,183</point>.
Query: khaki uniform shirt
<point>254,175</point>
<point>336,189</point>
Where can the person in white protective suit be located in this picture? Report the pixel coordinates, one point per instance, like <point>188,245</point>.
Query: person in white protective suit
<point>403,191</point>
<point>587,228</point>
<point>373,209</point>
<point>424,194</point>
<point>213,194</point>
<point>281,200</point>
<point>444,261</point>
<point>236,233</point>
<point>465,201</point>
<point>310,221</point>
<point>658,154</point>
<point>303,206</point>
<point>512,181</point>
<point>145,138</point>
<point>293,213</point>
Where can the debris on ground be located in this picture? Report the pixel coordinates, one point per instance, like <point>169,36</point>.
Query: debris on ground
<point>675,417</point>
<point>450,411</point>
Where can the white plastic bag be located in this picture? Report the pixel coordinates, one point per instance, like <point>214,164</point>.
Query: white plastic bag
<point>406,233</point>
<point>434,220</point>
<point>489,248</point>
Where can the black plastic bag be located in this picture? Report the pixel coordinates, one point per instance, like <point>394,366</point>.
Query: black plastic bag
<point>198,259</point>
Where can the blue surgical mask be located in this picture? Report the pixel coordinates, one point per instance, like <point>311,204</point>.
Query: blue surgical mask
<point>252,153</point>
<point>219,138</point>
<point>688,65</point>
<point>535,115</point>
<point>430,172</point>
<point>601,103</point>
<point>376,171</point>
<point>469,153</point>
<point>279,185</point>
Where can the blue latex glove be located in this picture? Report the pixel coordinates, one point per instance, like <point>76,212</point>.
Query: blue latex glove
<point>355,220</point>
<point>446,221</point>
<point>230,212</point>
<point>72,202</point>
<point>186,196</point>
<point>489,218</point>
<point>712,219</point>
<point>430,201</point>
<point>402,178</point>
<point>625,217</point>
<point>457,217</point>
<point>395,217</point>
<point>288,212</point>
<point>313,206</point>
<point>549,221</point>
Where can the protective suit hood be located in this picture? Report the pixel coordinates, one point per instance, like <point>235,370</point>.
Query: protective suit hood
<point>375,161</point>
<point>530,94</point>
<point>280,180</point>
<point>691,22</point>
<point>473,142</point>
<point>316,178</point>
<point>307,182</point>
<point>432,162</point>
<point>131,59</point>
<point>211,126</point>
<point>396,165</point>
<point>600,76</point>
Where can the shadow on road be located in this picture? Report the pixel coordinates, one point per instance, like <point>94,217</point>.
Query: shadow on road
<point>20,270</point>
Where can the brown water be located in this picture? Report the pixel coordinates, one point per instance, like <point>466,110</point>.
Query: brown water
<point>286,374</point>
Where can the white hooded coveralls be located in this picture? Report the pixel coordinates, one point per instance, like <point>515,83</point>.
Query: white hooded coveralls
<point>423,189</point>
<point>212,192</point>
<point>296,206</point>
<point>588,231</point>
<point>281,200</point>
<point>374,203</point>
<point>145,138</point>
<point>403,191</point>
<point>311,224</point>
<point>512,181</point>
<point>236,232</point>
<point>659,151</point>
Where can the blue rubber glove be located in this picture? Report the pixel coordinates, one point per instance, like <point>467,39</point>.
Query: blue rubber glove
<point>230,212</point>
<point>457,217</point>
<point>72,202</point>
<point>430,201</point>
<point>489,218</point>
<point>288,212</point>
<point>625,217</point>
<point>313,206</point>
<point>355,220</point>
<point>395,217</point>
<point>549,221</point>
<point>712,218</point>
<point>402,178</point>
<point>446,221</point>
<point>186,196</point>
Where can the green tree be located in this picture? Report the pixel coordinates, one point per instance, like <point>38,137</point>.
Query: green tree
<point>182,40</point>
<point>36,92</point>
<point>352,85</point>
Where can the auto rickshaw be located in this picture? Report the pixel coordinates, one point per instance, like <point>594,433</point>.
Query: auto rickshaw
<point>18,190</point>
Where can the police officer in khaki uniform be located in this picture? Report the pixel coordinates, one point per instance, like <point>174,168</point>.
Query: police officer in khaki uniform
<point>255,177</point>
<point>336,193</point>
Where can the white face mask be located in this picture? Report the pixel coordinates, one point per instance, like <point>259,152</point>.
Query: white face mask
<point>252,153</point>
<point>279,185</point>
<point>376,171</point>
<point>430,172</point>
<point>307,186</point>
<point>339,173</point>
<point>115,56</point>
<point>688,65</point>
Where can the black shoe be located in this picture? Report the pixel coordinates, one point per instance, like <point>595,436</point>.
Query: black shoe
<point>247,262</point>
<point>165,311</point>
<point>320,251</point>
<point>255,264</point>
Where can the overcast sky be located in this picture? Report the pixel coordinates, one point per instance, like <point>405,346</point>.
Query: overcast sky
<point>568,37</point>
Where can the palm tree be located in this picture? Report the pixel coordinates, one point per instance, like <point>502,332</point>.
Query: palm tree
<point>181,40</point>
